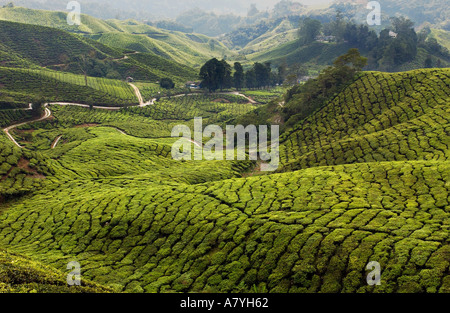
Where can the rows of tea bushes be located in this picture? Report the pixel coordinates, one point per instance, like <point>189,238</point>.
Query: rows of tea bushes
<point>380,117</point>
<point>313,230</point>
<point>8,117</point>
<point>29,85</point>
<point>118,89</point>
<point>20,171</point>
<point>213,107</point>
<point>19,274</point>
<point>151,91</point>
<point>43,45</point>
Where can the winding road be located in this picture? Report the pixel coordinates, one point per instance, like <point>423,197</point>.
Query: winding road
<point>48,113</point>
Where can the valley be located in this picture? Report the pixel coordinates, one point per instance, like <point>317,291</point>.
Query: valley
<point>87,172</point>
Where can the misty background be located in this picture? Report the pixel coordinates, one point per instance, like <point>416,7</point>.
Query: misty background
<point>152,9</point>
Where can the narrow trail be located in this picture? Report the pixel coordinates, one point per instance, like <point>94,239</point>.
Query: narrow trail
<point>48,113</point>
<point>236,93</point>
<point>139,96</point>
<point>56,141</point>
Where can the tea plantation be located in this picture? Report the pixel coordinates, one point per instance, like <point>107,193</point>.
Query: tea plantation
<point>366,178</point>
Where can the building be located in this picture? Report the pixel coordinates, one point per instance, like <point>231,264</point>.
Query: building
<point>193,85</point>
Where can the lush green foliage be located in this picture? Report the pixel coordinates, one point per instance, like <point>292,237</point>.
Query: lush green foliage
<point>380,117</point>
<point>22,275</point>
<point>372,186</point>
<point>25,86</point>
<point>27,46</point>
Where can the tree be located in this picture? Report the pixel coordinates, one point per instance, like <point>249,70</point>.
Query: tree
<point>253,10</point>
<point>84,62</point>
<point>239,76</point>
<point>250,79</point>
<point>309,30</point>
<point>225,79</point>
<point>282,73</point>
<point>338,26</point>
<point>38,106</point>
<point>402,48</point>
<point>215,74</point>
<point>309,97</point>
<point>262,74</point>
<point>166,83</point>
<point>352,59</point>
<point>428,62</point>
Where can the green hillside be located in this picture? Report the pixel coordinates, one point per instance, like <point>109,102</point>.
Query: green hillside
<point>363,179</point>
<point>30,46</point>
<point>390,117</point>
<point>442,36</point>
<point>54,19</point>
<point>22,86</point>
<point>188,49</point>
<point>19,274</point>
<point>317,53</point>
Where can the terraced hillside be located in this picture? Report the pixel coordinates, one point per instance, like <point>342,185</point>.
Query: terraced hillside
<point>31,46</point>
<point>21,86</point>
<point>188,49</point>
<point>22,275</point>
<point>138,221</point>
<point>380,117</point>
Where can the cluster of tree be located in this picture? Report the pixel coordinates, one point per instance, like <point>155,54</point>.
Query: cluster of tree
<point>217,74</point>
<point>167,83</point>
<point>394,46</point>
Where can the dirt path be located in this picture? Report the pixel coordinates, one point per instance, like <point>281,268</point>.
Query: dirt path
<point>56,142</point>
<point>47,114</point>
<point>139,96</point>
<point>236,93</point>
<point>86,106</point>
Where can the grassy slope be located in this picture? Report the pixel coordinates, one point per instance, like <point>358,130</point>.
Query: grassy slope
<point>54,19</point>
<point>23,86</point>
<point>316,53</point>
<point>30,46</point>
<point>22,275</point>
<point>155,226</point>
<point>281,34</point>
<point>323,54</point>
<point>189,49</point>
<point>173,46</point>
<point>380,117</point>
<point>442,36</point>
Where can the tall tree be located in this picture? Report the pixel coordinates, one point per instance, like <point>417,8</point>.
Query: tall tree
<point>215,74</point>
<point>309,30</point>
<point>250,79</point>
<point>225,79</point>
<point>208,74</point>
<point>262,74</point>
